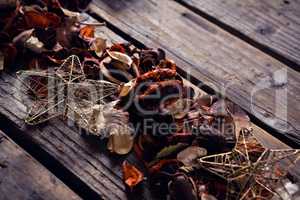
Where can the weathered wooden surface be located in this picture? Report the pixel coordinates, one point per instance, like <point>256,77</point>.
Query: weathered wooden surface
<point>22,177</point>
<point>244,74</point>
<point>86,159</point>
<point>275,23</point>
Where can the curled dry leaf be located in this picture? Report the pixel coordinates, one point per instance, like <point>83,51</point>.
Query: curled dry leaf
<point>35,45</point>
<point>23,36</point>
<point>120,140</point>
<point>106,73</point>
<point>189,155</point>
<point>132,176</point>
<point>135,68</point>
<point>126,88</point>
<point>116,68</point>
<point>99,46</point>
<point>70,13</point>
<point>179,108</point>
<point>121,57</point>
<point>107,121</point>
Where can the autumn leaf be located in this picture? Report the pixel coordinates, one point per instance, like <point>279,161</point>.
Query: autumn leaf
<point>169,150</point>
<point>118,47</point>
<point>41,19</point>
<point>87,31</point>
<point>155,168</point>
<point>189,155</point>
<point>132,176</point>
<point>99,45</point>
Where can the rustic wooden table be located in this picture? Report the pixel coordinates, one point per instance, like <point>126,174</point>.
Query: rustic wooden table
<point>229,46</point>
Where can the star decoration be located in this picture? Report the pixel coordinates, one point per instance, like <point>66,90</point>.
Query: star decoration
<point>64,91</point>
<point>251,170</point>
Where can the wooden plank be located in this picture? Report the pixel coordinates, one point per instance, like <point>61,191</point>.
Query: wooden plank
<point>218,59</point>
<point>274,24</point>
<point>22,177</point>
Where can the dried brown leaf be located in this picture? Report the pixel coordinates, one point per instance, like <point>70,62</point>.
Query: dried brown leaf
<point>120,143</point>
<point>99,45</point>
<point>87,32</point>
<point>121,57</point>
<point>189,155</point>
<point>43,19</point>
<point>132,176</point>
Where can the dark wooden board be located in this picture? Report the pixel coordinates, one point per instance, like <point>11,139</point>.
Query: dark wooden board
<point>22,177</point>
<point>275,24</point>
<point>212,55</point>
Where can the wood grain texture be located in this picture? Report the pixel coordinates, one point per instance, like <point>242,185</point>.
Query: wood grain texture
<point>22,177</point>
<point>275,24</point>
<point>244,74</point>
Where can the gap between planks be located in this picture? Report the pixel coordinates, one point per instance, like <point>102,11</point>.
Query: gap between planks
<point>229,26</point>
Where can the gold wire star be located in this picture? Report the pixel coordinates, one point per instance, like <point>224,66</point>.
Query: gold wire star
<point>63,92</point>
<point>251,170</point>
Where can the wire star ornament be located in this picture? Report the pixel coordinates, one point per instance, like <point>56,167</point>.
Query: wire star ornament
<point>64,91</point>
<point>251,170</point>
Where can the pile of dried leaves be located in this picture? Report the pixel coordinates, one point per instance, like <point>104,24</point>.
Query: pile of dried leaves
<point>39,33</point>
<point>174,126</point>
